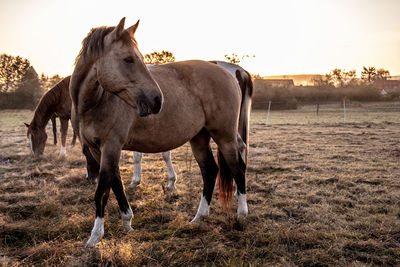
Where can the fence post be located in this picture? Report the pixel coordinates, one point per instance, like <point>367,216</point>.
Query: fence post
<point>344,110</point>
<point>269,108</point>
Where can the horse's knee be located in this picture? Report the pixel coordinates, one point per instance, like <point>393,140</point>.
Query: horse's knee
<point>137,157</point>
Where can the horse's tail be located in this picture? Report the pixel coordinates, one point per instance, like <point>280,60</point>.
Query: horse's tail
<point>246,85</point>
<point>225,182</point>
<point>225,178</point>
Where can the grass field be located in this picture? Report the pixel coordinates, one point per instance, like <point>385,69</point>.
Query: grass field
<point>320,193</point>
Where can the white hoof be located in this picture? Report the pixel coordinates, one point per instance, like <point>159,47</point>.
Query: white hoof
<point>97,233</point>
<point>133,185</point>
<point>126,220</point>
<point>196,220</point>
<point>202,211</point>
<point>63,151</point>
<point>242,210</point>
<point>171,187</point>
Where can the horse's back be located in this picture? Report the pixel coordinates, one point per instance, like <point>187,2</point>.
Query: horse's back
<point>203,79</point>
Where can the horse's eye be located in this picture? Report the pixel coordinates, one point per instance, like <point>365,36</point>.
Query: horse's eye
<point>128,59</point>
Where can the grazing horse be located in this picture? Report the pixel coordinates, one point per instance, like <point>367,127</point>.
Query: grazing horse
<point>244,80</point>
<point>55,103</point>
<point>116,104</point>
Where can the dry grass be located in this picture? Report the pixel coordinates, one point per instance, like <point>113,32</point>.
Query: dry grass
<point>318,194</point>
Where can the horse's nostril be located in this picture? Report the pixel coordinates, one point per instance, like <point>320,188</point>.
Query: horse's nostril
<point>157,100</point>
<point>157,104</point>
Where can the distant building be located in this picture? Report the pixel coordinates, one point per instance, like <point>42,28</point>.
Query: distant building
<point>388,87</point>
<point>278,82</point>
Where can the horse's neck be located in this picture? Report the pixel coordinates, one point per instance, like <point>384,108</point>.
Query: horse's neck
<point>85,90</point>
<point>45,109</point>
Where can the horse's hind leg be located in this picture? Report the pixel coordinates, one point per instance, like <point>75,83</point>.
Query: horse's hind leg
<point>137,169</point>
<point>171,172</point>
<point>54,123</point>
<point>202,152</point>
<point>64,130</point>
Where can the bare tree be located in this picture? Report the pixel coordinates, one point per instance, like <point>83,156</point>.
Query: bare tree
<point>49,82</point>
<point>162,57</point>
<point>371,74</point>
<point>382,74</point>
<point>235,59</point>
<point>349,77</point>
<point>368,74</point>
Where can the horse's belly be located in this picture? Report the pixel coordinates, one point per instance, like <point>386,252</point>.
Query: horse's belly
<point>163,135</point>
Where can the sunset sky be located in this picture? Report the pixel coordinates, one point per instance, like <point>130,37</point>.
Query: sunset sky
<point>287,37</point>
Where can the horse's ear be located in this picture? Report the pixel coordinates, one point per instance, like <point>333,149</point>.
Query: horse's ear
<point>132,29</point>
<point>116,33</point>
<point>27,125</point>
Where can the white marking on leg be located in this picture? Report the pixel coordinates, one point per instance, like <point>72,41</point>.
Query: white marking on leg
<point>63,150</point>
<point>137,169</point>
<point>202,211</point>
<point>242,210</point>
<point>30,143</point>
<point>87,174</point>
<point>97,232</point>
<point>171,172</point>
<point>126,219</point>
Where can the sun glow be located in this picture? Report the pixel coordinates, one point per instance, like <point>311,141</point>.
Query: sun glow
<point>287,37</point>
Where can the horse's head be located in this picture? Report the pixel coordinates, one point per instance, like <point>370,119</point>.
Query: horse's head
<point>37,139</point>
<point>120,70</point>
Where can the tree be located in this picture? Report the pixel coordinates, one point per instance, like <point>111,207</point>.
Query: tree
<point>162,57</point>
<point>29,90</point>
<point>235,59</point>
<point>371,74</point>
<point>12,70</point>
<point>337,75</point>
<point>368,74</point>
<point>340,78</point>
<point>382,74</point>
<point>349,77</point>
<point>49,82</point>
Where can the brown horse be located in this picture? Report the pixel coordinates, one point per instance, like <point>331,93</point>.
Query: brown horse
<point>244,80</point>
<point>55,103</point>
<point>116,104</point>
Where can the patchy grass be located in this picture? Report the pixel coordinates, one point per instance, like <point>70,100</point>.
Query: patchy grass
<point>319,194</point>
<point>374,112</point>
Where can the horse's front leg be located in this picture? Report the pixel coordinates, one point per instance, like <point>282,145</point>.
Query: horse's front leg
<point>137,169</point>
<point>109,177</point>
<point>64,131</point>
<point>54,123</point>
<point>92,163</point>
<point>73,140</point>
<point>171,172</point>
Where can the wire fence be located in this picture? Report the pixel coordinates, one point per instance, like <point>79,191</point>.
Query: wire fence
<point>334,112</point>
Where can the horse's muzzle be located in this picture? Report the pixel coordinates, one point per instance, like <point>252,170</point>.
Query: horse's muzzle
<point>149,105</point>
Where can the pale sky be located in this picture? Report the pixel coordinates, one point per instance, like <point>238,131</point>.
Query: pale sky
<point>287,36</point>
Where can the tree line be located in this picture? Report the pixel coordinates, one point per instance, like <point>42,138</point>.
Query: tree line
<point>21,86</point>
<point>336,85</point>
